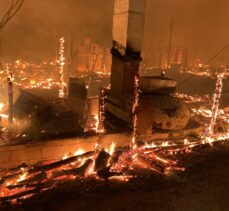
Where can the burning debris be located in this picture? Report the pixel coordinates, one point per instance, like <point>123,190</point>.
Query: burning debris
<point>26,181</point>
<point>146,105</point>
<point>120,164</point>
<point>109,164</point>
<point>62,63</point>
<point>22,182</point>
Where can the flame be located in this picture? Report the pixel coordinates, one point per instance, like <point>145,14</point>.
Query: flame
<point>134,110</point>
<point>22,176</point>
<point>101,117</point>
<point>62,63</point>
<point>111,149</point>
<point>65,157</point>
<point>96,128</point>
<point>79,152</point>
<point>90,170</point>
<point>2,105</point>
<point>155,152</point>
<point>216,101</point>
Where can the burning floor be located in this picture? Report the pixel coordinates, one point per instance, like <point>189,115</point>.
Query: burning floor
<point>111,164</point>
<point>140,182</point>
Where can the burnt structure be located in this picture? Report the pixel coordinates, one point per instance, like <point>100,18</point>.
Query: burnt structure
<point>128,29</point>
<point>49,117</point>
<point>143,103</point>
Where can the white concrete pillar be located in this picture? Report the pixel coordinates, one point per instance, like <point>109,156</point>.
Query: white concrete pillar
<point>128,31</point>
<point>128,25</point>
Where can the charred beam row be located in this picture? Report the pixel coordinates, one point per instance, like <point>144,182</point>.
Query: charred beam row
<point>34,180</point>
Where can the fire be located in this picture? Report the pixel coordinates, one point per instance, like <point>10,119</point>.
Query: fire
<point>111,163</point>
<point>111,149</point>
<point>215,106</point>
<point>101,117</point>
<point>62,63</point>
<point>90,171</point>
<point>79,152</point>
<point>2,105</point>
<point>96,128</point>
<point>22,177</point>
<point>134,109</point>
<point>99,164</point>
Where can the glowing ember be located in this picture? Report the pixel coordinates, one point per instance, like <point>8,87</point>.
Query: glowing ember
<point>110,163</point>
<point>62,63</point>
<point>79,152</point>
<point>99,164</point>
<point>215,106</point>
<point>1,106</point>
<point>134,109</point>
<point>111,149</point>
<point>96,129</point>
<point>101,119</point>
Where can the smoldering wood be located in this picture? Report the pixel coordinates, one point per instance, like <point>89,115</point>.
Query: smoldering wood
<point>21,194</point>
<point>76,171</point>
<point>35,178</point>
<point>47,167</point>
<point>37,185</point>
<point>146,163</point>
<point>162,160</point>
<point>61,163</point>
<point>106,173</point>
<point>115,157</point>
<point>101,160</point>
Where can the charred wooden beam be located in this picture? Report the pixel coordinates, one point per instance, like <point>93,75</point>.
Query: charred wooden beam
<point>20,195</point>
<point>81,171</point>
<point>47,167</point>
<point>61,163</point>
<point>101,160</point>
<point>29,186</point>
<point>35,178</point>
<point>106,173</point>
<point>150,164</point>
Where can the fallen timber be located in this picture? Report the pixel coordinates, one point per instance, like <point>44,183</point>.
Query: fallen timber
<point>81,171</point>
<point>41,185</point>
<point>35,178</point>
<point>32,180</point>
<point>47,167</point>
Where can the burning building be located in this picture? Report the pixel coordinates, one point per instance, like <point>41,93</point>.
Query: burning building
<point>149,98</point>
<point>179,59</point>
<point>157,127</point>
<point>92,58</point>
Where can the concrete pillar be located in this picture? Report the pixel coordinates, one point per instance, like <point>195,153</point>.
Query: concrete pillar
<point>128,26</point>
<point>128,30</point>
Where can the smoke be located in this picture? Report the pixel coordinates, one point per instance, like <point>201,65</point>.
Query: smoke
<point>34,32</point>
<point>201,26</point>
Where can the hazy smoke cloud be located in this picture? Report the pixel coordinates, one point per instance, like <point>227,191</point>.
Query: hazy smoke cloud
<point>200,25</point>
<point>34,32</point>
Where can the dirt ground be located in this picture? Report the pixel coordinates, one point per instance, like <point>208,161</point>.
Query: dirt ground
<point>203,186</point>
